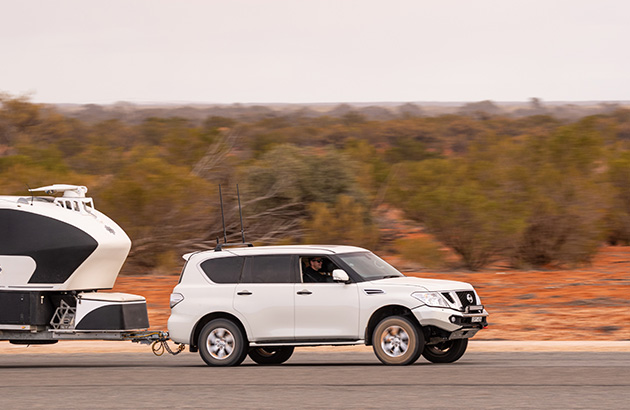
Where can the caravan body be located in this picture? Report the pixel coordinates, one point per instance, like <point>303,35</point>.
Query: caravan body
<point>58,243</point>
<point>55,252</point>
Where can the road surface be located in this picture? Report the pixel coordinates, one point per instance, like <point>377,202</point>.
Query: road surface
<point>317,380</point>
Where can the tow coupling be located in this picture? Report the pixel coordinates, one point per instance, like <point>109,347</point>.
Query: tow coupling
<point>158,341</point>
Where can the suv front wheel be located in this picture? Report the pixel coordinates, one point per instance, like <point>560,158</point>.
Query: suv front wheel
<point>396,341</point>
<point>221,343</point>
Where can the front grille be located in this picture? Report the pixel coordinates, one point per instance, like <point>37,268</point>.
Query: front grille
<point>466,297</point>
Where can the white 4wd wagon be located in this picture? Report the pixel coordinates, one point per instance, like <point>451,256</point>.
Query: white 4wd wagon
<point>264,301</point>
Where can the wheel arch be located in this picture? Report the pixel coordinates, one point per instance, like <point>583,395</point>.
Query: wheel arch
<point>386,311</point>
<point>194,336</point>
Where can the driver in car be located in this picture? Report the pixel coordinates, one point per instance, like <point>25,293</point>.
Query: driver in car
<point>315,273</point>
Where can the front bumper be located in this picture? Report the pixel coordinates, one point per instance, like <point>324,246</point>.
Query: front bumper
<point>450,324</point>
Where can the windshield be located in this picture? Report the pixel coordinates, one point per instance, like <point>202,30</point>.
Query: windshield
<point>370,266</point>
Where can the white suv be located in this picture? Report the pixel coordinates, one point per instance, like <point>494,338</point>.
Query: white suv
<point>236,301</point>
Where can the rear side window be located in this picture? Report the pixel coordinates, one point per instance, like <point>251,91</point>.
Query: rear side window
<point>268,269</point>
<point>223,270</point>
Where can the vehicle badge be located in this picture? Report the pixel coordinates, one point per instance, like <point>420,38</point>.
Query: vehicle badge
<point>469,298</point>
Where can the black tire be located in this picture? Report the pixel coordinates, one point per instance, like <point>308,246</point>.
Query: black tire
<point>271,355</point>
<point>221,343</point>
<point>397,341</point>
<point>445,352</point>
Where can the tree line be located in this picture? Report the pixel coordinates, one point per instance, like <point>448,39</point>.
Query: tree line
<point>533,190</point>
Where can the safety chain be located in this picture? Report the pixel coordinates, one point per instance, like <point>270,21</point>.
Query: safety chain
<point>159,346</point>
<point>157,340</point>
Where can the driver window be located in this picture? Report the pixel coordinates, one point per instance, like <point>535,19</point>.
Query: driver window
<point>317,269</point>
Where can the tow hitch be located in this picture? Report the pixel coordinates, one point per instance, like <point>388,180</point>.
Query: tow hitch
<point>158,341</point>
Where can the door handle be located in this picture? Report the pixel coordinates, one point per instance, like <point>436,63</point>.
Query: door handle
<point>244,293</point>
<point>305,292</point>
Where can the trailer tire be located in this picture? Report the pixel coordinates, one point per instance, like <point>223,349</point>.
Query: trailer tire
<point>221,343</point>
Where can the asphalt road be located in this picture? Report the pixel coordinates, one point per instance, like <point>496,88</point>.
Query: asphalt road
<point>317,380</point>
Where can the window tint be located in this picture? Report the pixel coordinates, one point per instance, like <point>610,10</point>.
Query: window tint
<point>268,269</point>
<point>223,270</point>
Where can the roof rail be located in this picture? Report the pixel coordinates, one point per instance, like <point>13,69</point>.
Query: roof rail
<point>220,246</point>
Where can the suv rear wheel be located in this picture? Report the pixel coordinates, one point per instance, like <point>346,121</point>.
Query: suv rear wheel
<point>396,341</point>
<point>271,355</point>
<point>221,343</point>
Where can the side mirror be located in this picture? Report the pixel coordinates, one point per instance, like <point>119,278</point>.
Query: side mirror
<point>340,275</point>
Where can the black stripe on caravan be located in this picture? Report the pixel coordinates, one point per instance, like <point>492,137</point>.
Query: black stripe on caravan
<point>116,316</point>
<point>58,248</point>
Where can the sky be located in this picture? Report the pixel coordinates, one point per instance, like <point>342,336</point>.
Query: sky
<point>314,51</point>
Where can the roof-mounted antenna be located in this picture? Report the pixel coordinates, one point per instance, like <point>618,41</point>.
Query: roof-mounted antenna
<point>32,194</point>
<point>240,213</point>
<point>222,215</point>
<point>224,245</point>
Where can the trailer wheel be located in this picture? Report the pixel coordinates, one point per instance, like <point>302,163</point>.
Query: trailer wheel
<point>221,343</point>
<point>271,355</point>
<point>396,341</point>
<point>445,352</point>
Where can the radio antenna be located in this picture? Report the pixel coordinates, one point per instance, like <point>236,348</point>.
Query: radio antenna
<point>222,215</point>
<point>32,194</point>
<point>240,213</point>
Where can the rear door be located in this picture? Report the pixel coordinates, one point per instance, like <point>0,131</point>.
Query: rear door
<point>265,297</point>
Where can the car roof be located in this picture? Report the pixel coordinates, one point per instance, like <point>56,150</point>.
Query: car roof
<point>280,250</point>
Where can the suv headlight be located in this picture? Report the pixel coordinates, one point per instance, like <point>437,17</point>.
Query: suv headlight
<point>175,299</point>
<point>433,299</point>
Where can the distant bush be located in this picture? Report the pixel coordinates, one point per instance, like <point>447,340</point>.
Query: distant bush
<point>422,250</point>
<point>537,201</point>
<point>346,222</point>
<point>544,188</point>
